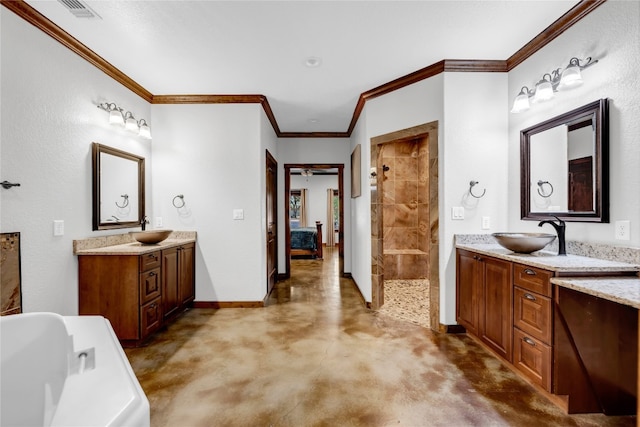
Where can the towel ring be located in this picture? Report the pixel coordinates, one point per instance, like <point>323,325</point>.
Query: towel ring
<point>471,185</point>
<point>125,203</point>
<point>181,197</point>
<point>540,184</point>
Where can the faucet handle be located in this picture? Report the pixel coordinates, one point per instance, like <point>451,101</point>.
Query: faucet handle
<point>560,222</point>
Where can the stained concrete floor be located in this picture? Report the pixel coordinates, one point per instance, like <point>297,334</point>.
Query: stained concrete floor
<point>315,356</point>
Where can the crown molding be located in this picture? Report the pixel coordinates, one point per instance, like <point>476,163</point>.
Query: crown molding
<point>561,25</point>
<point>32,16</point>
<point>579,11</point>
<point>207,99</point>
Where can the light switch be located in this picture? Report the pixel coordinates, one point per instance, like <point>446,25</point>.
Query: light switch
<point>58,227</point>
<point>457,212</point>
<point>238,214</point>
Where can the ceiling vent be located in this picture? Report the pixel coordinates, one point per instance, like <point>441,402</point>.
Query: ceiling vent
<point>79,9</point>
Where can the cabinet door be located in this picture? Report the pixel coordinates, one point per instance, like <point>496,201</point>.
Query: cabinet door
<point>496,308</point>
<point>170,298</point>
<point>532,314</point>
<point>467,291</point>
<point>186,273</point>
<point>533,358</point>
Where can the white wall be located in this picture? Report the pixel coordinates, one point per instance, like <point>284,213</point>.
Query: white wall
<point>609,34</point>
<point>319,151</point>
<point>316,197</point>
<point>471,146</point>
<point>214,156</point>
<point>49,120</point>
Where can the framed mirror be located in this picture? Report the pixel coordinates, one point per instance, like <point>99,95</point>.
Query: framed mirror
<point>564,169</point>
<point>118,188</point>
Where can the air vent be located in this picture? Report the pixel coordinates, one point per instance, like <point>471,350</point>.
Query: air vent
<point>79,9</point>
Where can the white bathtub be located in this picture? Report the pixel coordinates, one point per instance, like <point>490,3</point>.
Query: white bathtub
<point>66,371</point>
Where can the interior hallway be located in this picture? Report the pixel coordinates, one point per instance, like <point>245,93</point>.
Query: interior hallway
<point>316,356</point>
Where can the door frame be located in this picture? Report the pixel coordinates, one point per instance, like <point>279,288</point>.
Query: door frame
<point>287,224</point>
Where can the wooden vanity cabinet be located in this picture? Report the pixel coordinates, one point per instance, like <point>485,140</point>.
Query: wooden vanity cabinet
<point>484,300</point>
<point>125,289</point>
<point>133,291</point>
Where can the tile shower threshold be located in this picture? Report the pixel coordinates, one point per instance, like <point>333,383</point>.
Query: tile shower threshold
<point>404,252</point>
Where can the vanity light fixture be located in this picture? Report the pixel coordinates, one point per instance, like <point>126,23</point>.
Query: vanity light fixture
<point>551,82</point>
<point>117,116</point>
<point>130,122</point>
<point>306,172</point>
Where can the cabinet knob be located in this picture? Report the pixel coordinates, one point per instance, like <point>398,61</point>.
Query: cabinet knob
<point>153,273</point>
<point>529,341</point>
<point>154,305</point>
<point>530,272</point>
<point>530,297</point>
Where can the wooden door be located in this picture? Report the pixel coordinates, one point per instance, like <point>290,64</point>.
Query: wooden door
<point>581,184</point>
<point>272,217</point>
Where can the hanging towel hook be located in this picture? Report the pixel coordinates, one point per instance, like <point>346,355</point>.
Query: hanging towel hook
<point>125,203</point>
<point>541,190</point>
<point>7,185</point>
<point>181,197</point>
<point>471,185</point>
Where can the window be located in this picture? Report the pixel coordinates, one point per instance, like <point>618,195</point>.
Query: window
<point>294,204</point>
<point>336,211</point>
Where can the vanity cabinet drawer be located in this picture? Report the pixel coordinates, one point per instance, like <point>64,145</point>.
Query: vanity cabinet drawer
<point>532,314</point>
<point>150,317</point>
<point>533,358</point>
<point>532,279</point>
<point>149,285</point>
<point>150,261</point>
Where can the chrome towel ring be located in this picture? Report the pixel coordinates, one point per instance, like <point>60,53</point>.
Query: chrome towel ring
<point>125,203</point>
<point>471,185</point>
<point>181,197</point>
<point>541,193</point>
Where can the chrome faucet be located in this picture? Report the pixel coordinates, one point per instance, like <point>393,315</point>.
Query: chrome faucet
<point>560,227</point>
<point>143,222</point>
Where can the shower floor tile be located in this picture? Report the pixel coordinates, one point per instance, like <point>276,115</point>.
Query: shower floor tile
<point>407,300</point>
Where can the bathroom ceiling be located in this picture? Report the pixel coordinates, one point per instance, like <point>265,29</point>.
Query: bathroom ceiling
<point>261,47</point>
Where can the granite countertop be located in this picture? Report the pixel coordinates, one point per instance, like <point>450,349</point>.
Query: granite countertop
<point>551,261</point>
<point>124,244</point>
<point>623,290</point>
<point>134,248</point>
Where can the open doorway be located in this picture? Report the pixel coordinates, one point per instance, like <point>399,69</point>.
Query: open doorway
<point>332,199</point>
<point>404,221</point>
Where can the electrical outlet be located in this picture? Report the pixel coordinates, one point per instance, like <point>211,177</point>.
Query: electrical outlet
<point>158,222</point>
<point>623,230</point>
<point>58,227</point>
<point>486,222</point>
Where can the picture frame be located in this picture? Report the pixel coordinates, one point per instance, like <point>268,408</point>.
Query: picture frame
<point>356,184</point>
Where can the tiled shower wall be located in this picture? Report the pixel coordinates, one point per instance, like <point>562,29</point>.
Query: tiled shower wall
<point>405,204</point>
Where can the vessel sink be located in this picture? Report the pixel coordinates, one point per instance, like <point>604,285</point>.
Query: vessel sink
<point>149,237</point>
<point>524,243</point>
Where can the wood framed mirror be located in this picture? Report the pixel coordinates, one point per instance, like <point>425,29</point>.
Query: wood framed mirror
<point>118,188</point>
<point>564,169</point>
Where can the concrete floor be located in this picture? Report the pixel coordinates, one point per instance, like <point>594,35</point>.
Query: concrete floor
<point>315,356</point>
